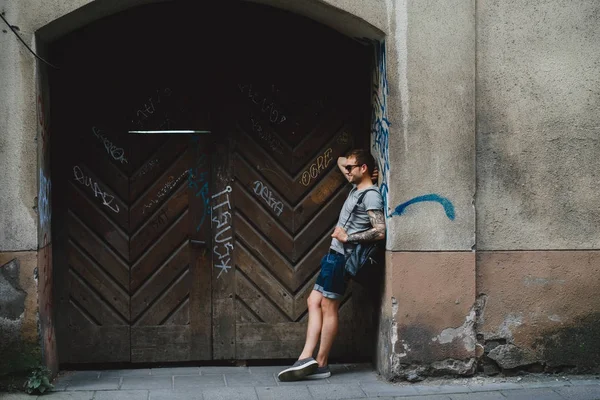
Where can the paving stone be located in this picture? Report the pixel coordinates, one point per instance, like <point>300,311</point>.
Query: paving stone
<point>345,368</point>
<point>148,383</point>
<point>374,389</point>
<point>547,384</point>
<point>283,393</point>
<point>175,371</point>
<point>584,382</point>
<point>22,396</point>
<point>442,389</point>
<point>353,376</point>
<point>118,373</point>
<point>122,395</point>
<point>477,396</point>
<point>69,375</point>
<point>246,393</point>
<point>528,394</point>
<point>64,396</point>
<point>59,385</point>
<point>336,391</point>
<point>198,382</point>
<point>489,387</point>
<point>360,367</point>
<point>587,392</point>
<point>304,382</point>
<point>161,394</point>
<point>429,397</point>
<point>266,369</point>
<point>223,370</point>
<point>94,384</point>
<point>237,380</point>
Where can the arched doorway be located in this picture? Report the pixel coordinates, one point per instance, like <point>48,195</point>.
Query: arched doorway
<point>181,247</point>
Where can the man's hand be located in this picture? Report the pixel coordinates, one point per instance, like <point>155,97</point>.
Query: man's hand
<point>375,175</point>
<point>342,162</point>
<point>340,234</point>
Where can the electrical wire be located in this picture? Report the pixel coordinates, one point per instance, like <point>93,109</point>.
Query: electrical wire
<point>22,41</point>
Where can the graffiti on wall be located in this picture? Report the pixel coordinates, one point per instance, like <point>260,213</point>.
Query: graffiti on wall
<point>44,200</point>
<point>106,197</point>
<point>319,165</point>
<point>198,180</point>
<point>269,108</point>
<point>447,204</point>
<point>117,153</point>
<point>223,238</point>
<point>265,193</point>
<point>380,134</point>
<point>380,124</point>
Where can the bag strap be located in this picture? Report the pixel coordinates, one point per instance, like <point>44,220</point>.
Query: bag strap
<point>359,201</point>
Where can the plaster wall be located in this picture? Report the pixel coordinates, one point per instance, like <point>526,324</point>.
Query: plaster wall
<point>18,311</point>
<point>538,134</point>
<point>18,149</point>
<point>431,79</point>
<point>540,307</point>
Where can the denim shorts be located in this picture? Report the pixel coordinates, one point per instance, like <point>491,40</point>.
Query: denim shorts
<point>331,280</point>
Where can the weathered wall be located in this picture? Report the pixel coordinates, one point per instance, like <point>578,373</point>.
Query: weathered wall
<point>424,139</point>
<point>538,157</point>
<point>430,315</point>
<point>431,79</point>
<point>538,134</point>
<point>18,153</point>
<point>18,312</point>
<point>544,303</point>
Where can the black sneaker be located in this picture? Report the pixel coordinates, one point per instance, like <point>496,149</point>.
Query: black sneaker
<point>320,373</point>
<point>299,370</point>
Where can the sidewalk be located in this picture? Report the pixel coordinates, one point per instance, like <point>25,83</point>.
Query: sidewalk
<point>347,382</point>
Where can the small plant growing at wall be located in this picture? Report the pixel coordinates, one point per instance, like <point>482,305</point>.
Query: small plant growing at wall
<point>38,381</point>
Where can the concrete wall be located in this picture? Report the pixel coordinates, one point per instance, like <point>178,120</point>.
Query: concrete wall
<point>19,344</point>
<point>538,163</point>
<point>538,125</point>
<point>430,177</point>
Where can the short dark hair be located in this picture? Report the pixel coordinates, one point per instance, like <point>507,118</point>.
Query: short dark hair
<point>363,156</point>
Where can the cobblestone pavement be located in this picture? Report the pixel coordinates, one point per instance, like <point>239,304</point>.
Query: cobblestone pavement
<point>347,382</point>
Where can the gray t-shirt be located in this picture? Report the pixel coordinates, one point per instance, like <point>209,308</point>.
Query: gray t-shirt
<point>359,221</point>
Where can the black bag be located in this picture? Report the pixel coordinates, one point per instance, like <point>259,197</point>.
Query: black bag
<point>364,256</point>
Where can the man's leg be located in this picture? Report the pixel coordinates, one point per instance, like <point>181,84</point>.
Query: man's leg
<point>329,330</point>
<point>315,322</point>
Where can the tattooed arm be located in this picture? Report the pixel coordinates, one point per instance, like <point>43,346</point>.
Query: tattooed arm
<point>377,232</point>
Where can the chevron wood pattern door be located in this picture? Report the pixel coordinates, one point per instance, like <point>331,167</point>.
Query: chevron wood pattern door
<point>131,215</point>
<point>180,248</point>
<point>136,272</point>
<point>284,201</point>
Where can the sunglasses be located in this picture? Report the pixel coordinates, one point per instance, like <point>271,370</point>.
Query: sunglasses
<point>349,168</point>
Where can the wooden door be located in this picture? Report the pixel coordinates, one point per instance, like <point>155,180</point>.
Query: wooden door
<point>292,104</point>
<point>167,249</point>
<point>131,212</point>
<point>136,271</point>
<point>287,196</point>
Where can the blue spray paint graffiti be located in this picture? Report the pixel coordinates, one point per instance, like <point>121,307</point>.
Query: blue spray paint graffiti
<point>447,204</point>
<point>44,202</point>
<point>198,181</point>
<point>380,124</point>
